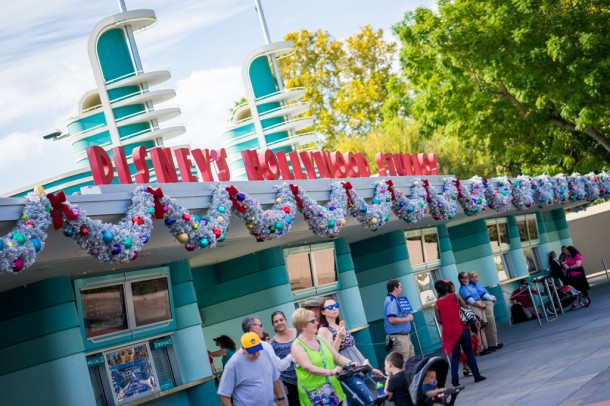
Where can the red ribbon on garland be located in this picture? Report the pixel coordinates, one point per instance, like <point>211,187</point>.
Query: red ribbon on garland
<point>426,184</point>
<point>348,186</point>
<point>232,193</point>
<point>58,203</point>
<point>157,195</point>
<point>459,188</point>
<point>391,189</point>
<point>295,191</point>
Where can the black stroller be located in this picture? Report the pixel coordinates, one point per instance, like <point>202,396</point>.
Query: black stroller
<point>415,370</point>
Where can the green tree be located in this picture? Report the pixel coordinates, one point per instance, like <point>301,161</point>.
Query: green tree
<point>525,78</point>
<point>345,82</point>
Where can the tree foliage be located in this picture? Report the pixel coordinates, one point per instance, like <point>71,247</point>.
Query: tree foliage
<point>525,78</point>
<point>345,81</point>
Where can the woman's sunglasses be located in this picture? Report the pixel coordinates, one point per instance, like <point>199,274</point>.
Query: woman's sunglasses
<point>333,306</point>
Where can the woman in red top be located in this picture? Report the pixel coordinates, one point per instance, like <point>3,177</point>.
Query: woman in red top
<point>454,333</point>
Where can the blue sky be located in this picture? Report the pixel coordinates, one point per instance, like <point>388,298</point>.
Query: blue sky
<point>44,68</point>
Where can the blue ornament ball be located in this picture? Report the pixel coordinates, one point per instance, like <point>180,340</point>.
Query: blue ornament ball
<point>241,197</point>
<point>36,243</point>
<point>203,243</point>
<point>107,236</point>
<point>116,250</point>
<point>288,220</point>
<point>145,239</point>
<point>1,245</point>
<point>69,232</point>
<point>169,221</point>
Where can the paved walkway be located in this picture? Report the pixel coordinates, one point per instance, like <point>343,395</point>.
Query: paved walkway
<point>563,362</point>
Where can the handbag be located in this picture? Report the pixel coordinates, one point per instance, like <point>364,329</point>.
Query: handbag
<point>466,315</point>
<point>324,395</point>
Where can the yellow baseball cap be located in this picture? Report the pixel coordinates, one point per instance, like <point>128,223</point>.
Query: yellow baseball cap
<point>251,342</point>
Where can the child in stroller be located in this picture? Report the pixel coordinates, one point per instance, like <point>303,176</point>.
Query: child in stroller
<point>415,371</point>
<point>569,298</point>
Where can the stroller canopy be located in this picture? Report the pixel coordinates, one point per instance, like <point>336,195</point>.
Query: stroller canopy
<point>415,371</point>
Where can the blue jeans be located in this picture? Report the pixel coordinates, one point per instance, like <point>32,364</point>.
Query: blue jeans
<point>466,343</point>
<point>357,385</point>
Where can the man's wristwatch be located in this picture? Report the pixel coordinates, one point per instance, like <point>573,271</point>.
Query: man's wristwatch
<point>279,399</point>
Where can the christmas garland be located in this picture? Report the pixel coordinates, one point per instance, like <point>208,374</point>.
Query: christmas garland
<point>327,220</point>
<point>412,209</point>
<point>444,206</point>
<point>544,191</point>
<point>19,247</point>
<point>472,198</point>
<point>499,196</point>
<point>117,243</point>
<point>265,224</point>
<point>122,242</point>
<point>372,216</point>
<point>192,230</point>
<point>522,196</point>
<point>562,188</point>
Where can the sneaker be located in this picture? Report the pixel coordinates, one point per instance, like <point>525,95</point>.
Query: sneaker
<point>496,347</point>
<point>480,378</point>
<point>487,351</point>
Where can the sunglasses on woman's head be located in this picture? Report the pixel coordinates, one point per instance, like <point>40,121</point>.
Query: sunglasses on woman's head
<point>332,306</point>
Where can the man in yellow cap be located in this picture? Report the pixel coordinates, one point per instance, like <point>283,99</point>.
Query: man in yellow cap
<point>249,376</point>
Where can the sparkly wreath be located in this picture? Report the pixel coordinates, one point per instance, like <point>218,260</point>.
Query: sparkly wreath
<point>327,220</point>
<point>19,248</point>
<point>472,198</point>
<point>265,224</point>
<point>498,197</point>
<point>603,179</point>
<point>412,209</point>
<point>444,206</point>
<point>372,216</point>
<point>544,191</point>
<point>196,231</point>
<point>523,198</point>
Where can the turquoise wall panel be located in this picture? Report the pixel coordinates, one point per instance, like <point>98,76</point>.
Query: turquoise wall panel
<point>63,382</point>
<point>204,394</point>
<point>261,77</point>
<point>87,123</point>
<point>472,251</point>
<point>191,351</point>
<point>36,296</point>
<point>113,54</point>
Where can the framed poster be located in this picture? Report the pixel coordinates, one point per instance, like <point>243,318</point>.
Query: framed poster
<point>131,372</point>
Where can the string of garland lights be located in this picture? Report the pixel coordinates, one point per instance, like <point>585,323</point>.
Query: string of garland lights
<point>123,241</point>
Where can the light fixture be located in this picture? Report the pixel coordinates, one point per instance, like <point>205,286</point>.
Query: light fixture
<point>55,135</point>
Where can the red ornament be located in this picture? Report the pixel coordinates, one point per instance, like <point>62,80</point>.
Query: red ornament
<point>137,220</point>
<point>84,231</point>
<point>135,255</point>
<point>29,224</point>
<point>286,209</point>
<point>186,217</point>
<point>217,232</point>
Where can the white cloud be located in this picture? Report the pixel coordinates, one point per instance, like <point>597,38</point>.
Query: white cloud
<point>206,98</point>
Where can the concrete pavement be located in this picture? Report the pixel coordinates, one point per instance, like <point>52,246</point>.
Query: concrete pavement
<point>563,362</point>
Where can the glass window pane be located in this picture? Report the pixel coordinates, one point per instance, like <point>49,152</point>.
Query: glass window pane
<point>423,281</point>
<point>131,373</point>
<point>299,271</point>
<point>104,310</point>
<point>522,230</point>
<point>529,260</point>
<point>323,262</point>
<point>492,231</point>
<point>151,301</point>
<point>416,255</point>
<point>98,389</point>
<point>532,230</point>
<point>163,367</point>
<point>500,268</point>
<point>431,247</point>
<point>503,234</point>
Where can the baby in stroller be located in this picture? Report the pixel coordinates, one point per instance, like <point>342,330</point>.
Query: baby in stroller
<point>405,386</point>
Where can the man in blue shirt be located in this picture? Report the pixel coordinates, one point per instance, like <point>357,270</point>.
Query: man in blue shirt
<point>397,322</point>
<point>489,300</point>
<point>471,296</point>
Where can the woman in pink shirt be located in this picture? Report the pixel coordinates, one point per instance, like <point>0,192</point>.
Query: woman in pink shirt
<point>575,273</point>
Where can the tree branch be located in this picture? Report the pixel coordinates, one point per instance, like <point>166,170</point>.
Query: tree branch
<point>598,137</point>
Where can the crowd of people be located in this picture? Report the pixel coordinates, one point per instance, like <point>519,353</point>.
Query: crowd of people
<point>299,365</point>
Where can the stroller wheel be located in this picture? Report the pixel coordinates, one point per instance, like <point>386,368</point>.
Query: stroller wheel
<point>549,309</point>
<point>584,301</point>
